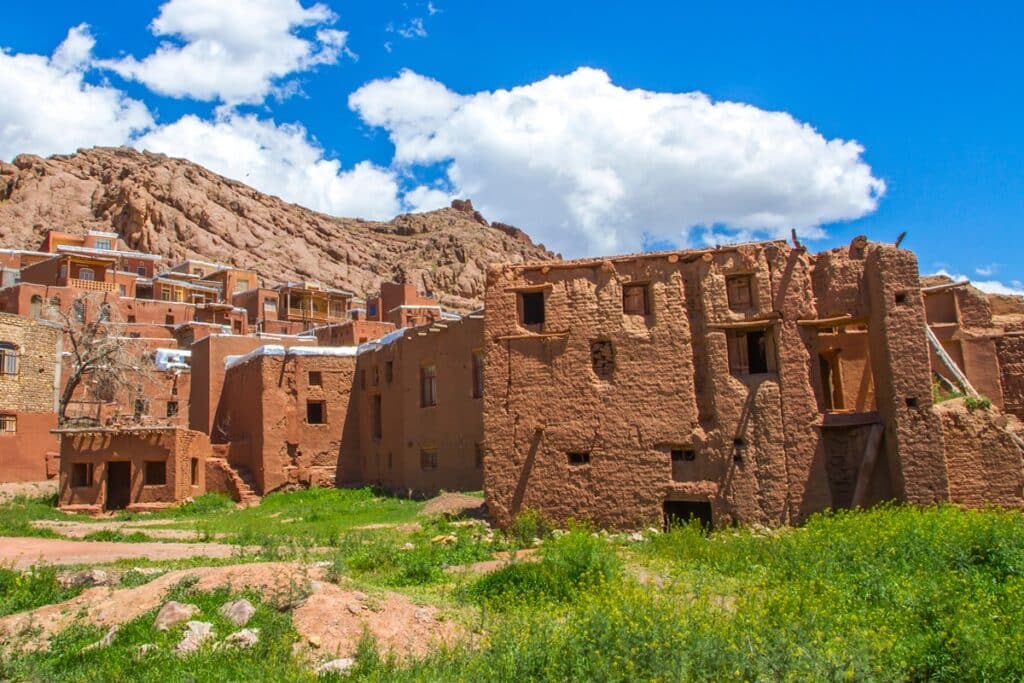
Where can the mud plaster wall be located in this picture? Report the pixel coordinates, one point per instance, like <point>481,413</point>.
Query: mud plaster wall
<point>983,464</point>
<point>453,428</point>
<point>1010,352</point>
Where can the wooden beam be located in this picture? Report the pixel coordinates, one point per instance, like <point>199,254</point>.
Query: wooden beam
<point>839,320</point>
<point>537,335</point>
<point>745,324</point>
<point>867,465</point>
<point>949,362</point>
<point>530,288</point>
<point>934,289</point>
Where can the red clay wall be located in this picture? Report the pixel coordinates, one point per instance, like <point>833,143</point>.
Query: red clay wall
<point>983,463</point>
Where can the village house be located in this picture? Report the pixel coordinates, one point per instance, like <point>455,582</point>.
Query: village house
<point>30,381</point>
<point>749,383</point>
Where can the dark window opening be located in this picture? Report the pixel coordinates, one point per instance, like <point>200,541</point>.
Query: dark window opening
<point>378,422</point>
<point>636,300</point>
<point>316,412</point>
<point>376,375</point>
<point>428,386</point>
<point>315,378</point>
<point>579,458</point>
<point>428,459</point>
<point>532,308</point>
<point>81,474</point>
<point>911,402</point>
<point>131,318</point>
<point>831,382</point>
<point>155,473</point>
<point>901,298</point>
<point>478,374</point>
<point>141,407</point>
<point>479,453</point>
<point>195,472</point>
<point>683,455</point>
<point>168,319</point>
<point>293,450</point>
<point>602,358</point>
<point>752,352</point>
<point>389,371</point>
<point>680,512</point>
<point>172,408</point>
<point>362,379</point>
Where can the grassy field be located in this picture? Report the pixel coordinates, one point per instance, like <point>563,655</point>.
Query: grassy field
<point>894,593</point>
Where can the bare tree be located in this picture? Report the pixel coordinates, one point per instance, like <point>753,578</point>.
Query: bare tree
<point>100,352</point>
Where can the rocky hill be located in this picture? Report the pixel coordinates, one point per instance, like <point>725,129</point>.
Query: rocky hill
<point>181,210</point>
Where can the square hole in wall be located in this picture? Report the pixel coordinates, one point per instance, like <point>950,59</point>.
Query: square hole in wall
<point>636,299</point>
<point>194,471</point>
<point>316,412</point>
<point>428,459</point>
<point>81,474</point>
<point>531,308</point>
<point>172,408</point>
<point>155,473</point>
<point>911,402</point>
<point>315,378</point>
<point>683,455</point>
<point>740,291</point>
<point>577,458</point>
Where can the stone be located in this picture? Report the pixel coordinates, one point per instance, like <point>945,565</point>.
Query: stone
<point>196,633</point>
<point>238,611</point>
<point>340,665</point>
<point>423,615</point>
<point>144,650</point>
<point>637,536</point>
<point>245,638</point>
<point>172,614</point>
<point>85,578</point>
<point>315,640</point>
<point>103,642</point>
<point>354,607</point>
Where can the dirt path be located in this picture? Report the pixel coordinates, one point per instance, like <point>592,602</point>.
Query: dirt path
<point>22,553</point>
<point>151,528</point>
<point>32,489</point>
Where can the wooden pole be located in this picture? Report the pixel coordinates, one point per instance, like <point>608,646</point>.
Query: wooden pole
<point>949,362</point>
<point>867,464</point>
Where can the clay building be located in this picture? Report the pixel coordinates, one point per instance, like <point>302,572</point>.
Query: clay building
<point>133,468</point>
<point>286,418</point>
<point>350,333</point>
<point>30,380</point>
<point>750,383</point>
<point>402,306</point>
<point>420,409</point>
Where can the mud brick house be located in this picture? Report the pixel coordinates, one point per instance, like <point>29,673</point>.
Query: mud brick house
<point>30,381</point>
<point>750,383</point>
<point>351,333</point>
<point>137,468</point>
<point>286,416</point>
<point>420,409</point>
<point>402,306</point>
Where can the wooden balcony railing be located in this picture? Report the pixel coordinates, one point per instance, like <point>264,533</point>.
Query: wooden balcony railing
<point>92,285</point>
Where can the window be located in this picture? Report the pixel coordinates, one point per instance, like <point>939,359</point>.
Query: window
<point>105,312</point>
<point>195,472</point>
<point>131,318</point>
<point>86,274</point>
<point>141,271</point>
<point>316,412</point>
<point>81,474</point>
<point>179,294</point>
<point>78,309</point>
<point>375,415</point>
<point>752,352</point>
<point>371,310</point>
<point>122,290</point>
<point>102,244</point>
<point>428,459</point>
<point>236,326</point>
<point>428,386</point>
<point>389,371</point>
<point>740,291</point>
<point>8,358</point>
<point>479,460</point>
<point>270,306</point>
<point>169,319</point>
<point>532,308</point>
<point>63,270</point>
<point>579,458</point>
<point>376,375</point>
<point>337,309</point>
<point>165,293</point>
<point>683,455</point>
<point>172,408</point>
<point>602,358</point>
<point>478,374</point>
<point>635,300</point>
<point>242,285</point>
<point>198,271</point>
<point>8,424</point>
<point>36,305</point>
<point>155,473</point>
<point>315,378</point>
<point>141,407</point>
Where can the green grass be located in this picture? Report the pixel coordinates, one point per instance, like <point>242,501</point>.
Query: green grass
<point>20,591</point>
<point>16,515</point>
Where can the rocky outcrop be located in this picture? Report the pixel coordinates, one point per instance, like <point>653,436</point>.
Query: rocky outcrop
<point>181,210</point>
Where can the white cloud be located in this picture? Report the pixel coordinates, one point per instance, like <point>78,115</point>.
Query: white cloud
<point>234,51</point>
<point>47,107</point>
<point>986,271</point>
<point>1015,287</point>
<point>588,167</point>
<point>414,29</point>
<point>280,160</point>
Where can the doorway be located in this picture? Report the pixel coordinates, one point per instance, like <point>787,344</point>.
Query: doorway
<point>678,512</point>
<point>119,485</point>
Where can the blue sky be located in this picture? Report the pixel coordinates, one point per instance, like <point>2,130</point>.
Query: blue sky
<point>577,122</point>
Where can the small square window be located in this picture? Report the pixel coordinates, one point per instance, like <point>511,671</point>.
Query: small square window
<point>428,459</point>
<point>315,378</point>
<point>169,319</point>
<point>901,298</point>
<point>8,424</point>
<point>532,308</point>
<point>81,474</point>
<point>141,271</point>
<point>683,455</point>
<point>155,473</point>
<point>740,290</point>
<point>172,408</point>
<point>131,318</point>
<point>578,458</point>
<point>635,300</point>
<point>316,412</point>
<point>141,407</point>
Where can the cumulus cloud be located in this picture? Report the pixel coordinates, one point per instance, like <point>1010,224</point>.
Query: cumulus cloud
<point>589,167</point>
<point>234,51</point>
<point>48,108</point>
<point>1015,287</point>
<point>281,160</point>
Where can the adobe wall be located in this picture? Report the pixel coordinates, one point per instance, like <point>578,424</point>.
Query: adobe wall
<point>1010,351</point>
<point>983,464</point>
<point>453,428</point>
<point>629,389</point>
<point>351,333</point>
<point>175,447</point>
<point>24,454</point>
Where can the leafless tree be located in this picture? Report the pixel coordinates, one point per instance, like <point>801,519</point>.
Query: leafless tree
<point>99,352</point>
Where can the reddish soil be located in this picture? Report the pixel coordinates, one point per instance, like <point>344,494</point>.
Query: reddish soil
<point>453,504</point>
<point>22,553</point>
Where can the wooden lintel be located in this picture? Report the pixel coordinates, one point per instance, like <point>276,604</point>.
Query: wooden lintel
<point>745,324</point>
<point>934,289</point>
<point>530,288</point>
<point>538,335</point>
<point>839,320</point>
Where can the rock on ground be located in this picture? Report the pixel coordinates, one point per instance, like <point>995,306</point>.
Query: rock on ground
<point>172,614</point>
<point>340,665</point>
<point>247,637</point>
<point>238,611</point>
<point>86,577</point>
<point>196,633</point>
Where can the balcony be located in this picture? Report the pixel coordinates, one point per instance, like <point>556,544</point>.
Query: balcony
<point>92,285</point>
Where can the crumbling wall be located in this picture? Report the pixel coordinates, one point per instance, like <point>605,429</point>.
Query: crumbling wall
<point>983,464</point>
<point>1010,352</point>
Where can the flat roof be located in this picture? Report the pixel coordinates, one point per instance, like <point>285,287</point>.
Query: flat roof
<point>683,254</point>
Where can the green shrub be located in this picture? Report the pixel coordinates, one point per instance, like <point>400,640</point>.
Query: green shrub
<point>977,403</point>
<point>528,525</point>
<point>20,591</point>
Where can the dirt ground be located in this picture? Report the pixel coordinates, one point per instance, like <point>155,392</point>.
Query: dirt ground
<point>22,553</point>
<point>330,619</point>
<point>454,504</point>
<point>32,489</point>
<point>148,527</point>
